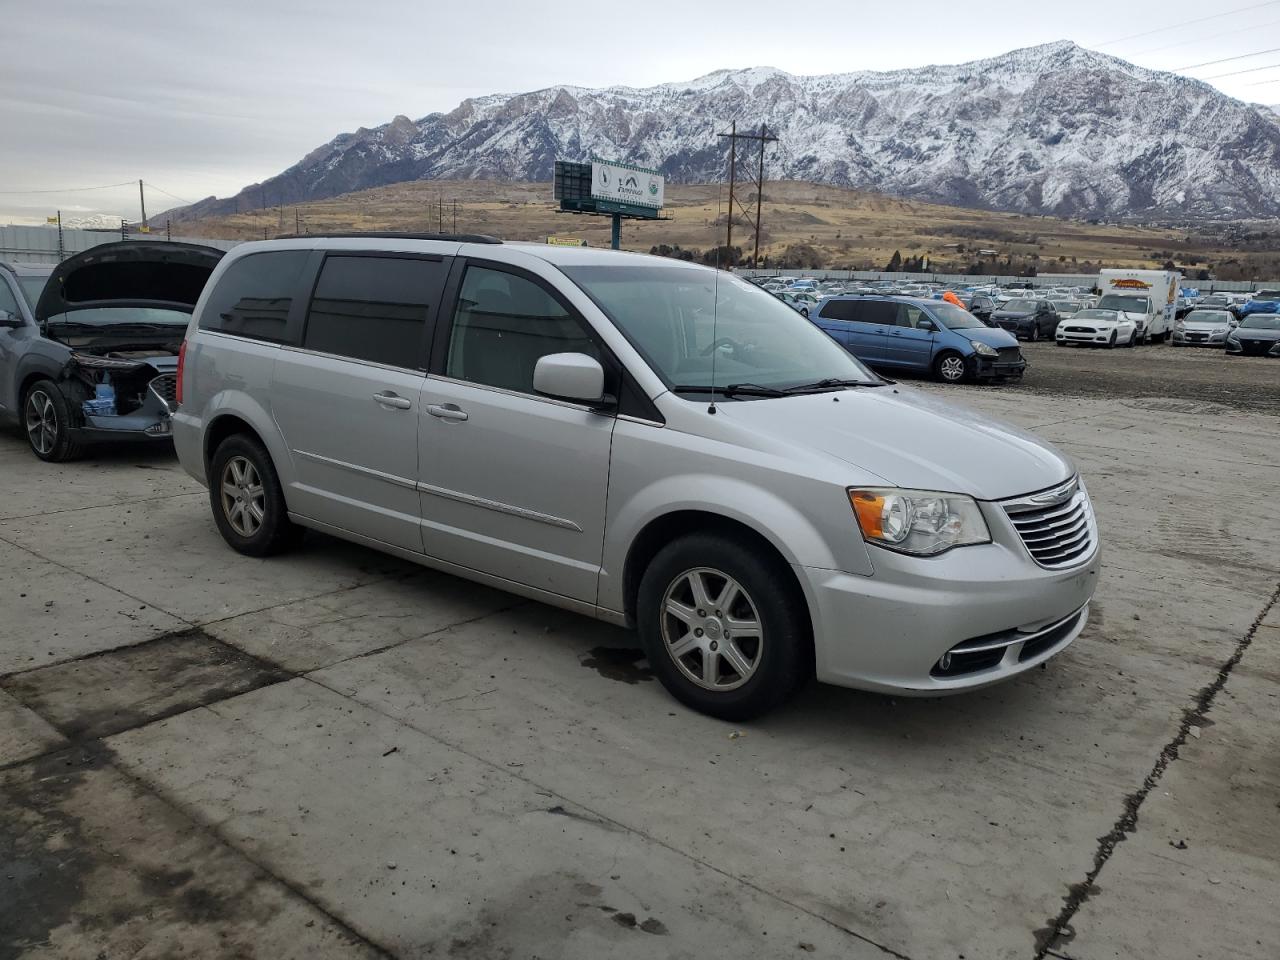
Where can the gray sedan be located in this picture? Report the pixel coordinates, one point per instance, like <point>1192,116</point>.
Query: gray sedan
<point>1203,328</point>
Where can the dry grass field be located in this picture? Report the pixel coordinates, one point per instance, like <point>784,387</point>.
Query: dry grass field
<point>846,228</point>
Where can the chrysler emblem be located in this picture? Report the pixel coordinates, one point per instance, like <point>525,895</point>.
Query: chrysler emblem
<point>1055,496</point>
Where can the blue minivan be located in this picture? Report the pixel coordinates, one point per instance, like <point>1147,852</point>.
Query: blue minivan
<point>924,335</point>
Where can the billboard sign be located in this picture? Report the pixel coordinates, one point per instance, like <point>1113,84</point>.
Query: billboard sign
<point>622,183</point>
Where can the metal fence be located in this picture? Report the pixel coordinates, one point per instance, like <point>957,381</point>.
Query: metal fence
<point>41,244</point>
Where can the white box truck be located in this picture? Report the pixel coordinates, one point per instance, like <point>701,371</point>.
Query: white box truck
<point>1148,297</point>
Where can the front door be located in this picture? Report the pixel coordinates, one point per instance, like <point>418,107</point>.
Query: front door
<point>348,400</point>
<point>906,344</point>
<point>513,484</point>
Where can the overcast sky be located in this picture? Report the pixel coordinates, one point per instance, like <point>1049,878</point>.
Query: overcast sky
<point>204,98</point>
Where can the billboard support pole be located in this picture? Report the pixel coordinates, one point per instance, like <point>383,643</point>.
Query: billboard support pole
<point>615,234</point>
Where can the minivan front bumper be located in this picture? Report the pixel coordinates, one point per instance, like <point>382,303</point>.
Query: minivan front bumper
<point>889,632</point>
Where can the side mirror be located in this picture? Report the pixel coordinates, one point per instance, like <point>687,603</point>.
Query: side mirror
<point>927,325</point>
<point>569,376</point>
<point>9,321</point>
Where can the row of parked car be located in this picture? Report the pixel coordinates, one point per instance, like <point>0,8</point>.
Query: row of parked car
<point>652,443</point>
<point>1136,311</point>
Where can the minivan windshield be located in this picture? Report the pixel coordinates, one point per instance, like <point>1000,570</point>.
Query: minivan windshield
<point>953,318</point>
<point>685,320</point>
<point>1117,301</point>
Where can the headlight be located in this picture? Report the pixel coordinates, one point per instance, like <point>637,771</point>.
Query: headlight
<point>918,522</point>
<point>984,349</point>
<point>104,363</point>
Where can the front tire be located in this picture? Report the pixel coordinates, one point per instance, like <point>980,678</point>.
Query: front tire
<point>47,419</point>
<point>1034,335</point>
<point>950,367</point>
<point>723,626</point>
<point>1111,344</point>
<point>247,500</point>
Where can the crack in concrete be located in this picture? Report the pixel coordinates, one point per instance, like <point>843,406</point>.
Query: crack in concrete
<point>93,579</point>
<point>96,506</point>
<point>1059,928</point>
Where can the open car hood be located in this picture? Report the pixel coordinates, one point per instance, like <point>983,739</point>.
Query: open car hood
<point>129,273</point>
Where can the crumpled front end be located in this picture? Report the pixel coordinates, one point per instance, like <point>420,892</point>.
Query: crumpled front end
<point>128,394</point>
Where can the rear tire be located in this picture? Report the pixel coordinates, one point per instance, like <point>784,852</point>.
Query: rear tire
<point>49,412</point>
<point>247,500</point>
<point>752,649</point>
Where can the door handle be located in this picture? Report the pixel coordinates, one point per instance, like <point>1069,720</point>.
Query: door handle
<point>390,399</point>
<point>446,411</point>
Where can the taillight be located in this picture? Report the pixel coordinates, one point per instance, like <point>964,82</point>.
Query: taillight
<point>182,359</point>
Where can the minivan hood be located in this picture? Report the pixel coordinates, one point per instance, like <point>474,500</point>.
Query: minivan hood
<point>991,336</point>
<point>911,440</point>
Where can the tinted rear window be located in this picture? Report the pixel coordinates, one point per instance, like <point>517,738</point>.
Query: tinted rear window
<point>253,297</point>
<point>375,308</point>
<point>838,310</point>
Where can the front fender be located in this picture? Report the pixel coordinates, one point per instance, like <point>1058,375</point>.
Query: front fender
<point>779,519</point>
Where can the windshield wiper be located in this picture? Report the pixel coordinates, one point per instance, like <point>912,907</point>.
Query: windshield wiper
<point>732,390</point>
<point>831,382</point>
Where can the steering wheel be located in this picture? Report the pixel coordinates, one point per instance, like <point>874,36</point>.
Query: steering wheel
<point>722,342</point>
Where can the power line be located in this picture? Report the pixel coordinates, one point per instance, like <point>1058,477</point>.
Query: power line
<point>1243,56</point>
<point>1236,73</point>
<point>106,186</point>
<point>167,193</point>
<point>1187,23</point>
<point>1252,28</point>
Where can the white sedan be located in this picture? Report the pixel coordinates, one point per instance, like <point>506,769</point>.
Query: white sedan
<point>1097,328</point>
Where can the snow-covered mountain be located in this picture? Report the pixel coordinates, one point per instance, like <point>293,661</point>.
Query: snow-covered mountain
<point>1049,129</point>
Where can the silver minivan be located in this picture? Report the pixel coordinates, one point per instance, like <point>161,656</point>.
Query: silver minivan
<point>642,440</point>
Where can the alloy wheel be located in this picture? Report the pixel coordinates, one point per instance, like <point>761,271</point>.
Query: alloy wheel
<point>952,369</point>
<point>711,629</point>
<point>244,501</point>
<point>41,422</point>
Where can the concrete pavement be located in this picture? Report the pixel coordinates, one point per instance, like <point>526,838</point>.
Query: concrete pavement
<point>397,762</point>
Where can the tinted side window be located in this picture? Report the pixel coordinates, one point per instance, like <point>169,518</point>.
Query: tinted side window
<point>503,324</point>
<point>838,310</point>
<point>253,297</point>
<point>375,308</point>
<point>908,316</point>
<point>875,311</point>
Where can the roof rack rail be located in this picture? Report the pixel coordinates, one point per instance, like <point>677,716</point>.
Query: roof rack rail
<point>394,235</point>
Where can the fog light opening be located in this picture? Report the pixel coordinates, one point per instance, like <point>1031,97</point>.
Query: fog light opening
<point>945,663</point>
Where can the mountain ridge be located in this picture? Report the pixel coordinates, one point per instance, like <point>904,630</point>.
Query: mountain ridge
<point>1054,128</point>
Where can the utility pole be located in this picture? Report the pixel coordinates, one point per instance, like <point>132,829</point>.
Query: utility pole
<point>764,136</point>
<point>142,202</point>
<point>297,222</point>
<point>455,216</point>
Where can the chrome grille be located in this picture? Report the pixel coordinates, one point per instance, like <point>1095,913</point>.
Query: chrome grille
<point>1056,534</point>
<point>165,387</point>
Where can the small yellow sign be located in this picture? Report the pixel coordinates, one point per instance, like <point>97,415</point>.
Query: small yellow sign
<point>566,241</point>
<point>50,219</point>
<point>144,229</point>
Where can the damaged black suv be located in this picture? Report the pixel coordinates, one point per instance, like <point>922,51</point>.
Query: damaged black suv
<point>93,355</point>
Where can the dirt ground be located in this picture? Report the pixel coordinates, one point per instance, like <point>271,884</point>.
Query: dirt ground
<point>1180,375</point>
<point>337,754</point>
